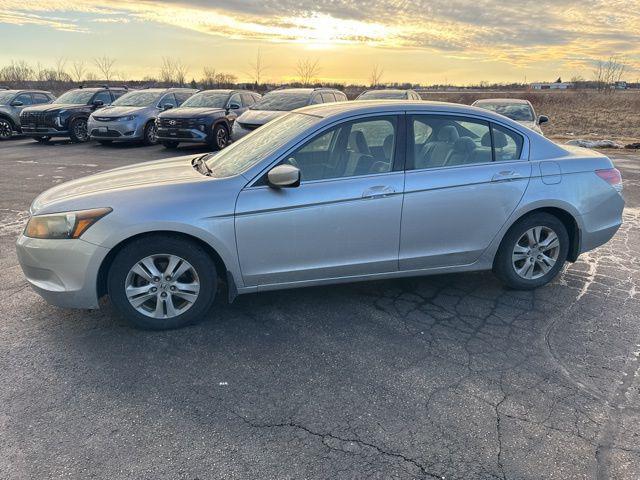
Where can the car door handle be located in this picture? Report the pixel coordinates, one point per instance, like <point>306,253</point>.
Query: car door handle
<point>506,176</point>
<point>378,191</point>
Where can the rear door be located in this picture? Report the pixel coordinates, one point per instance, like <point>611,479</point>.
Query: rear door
<point>464,178</point>
<point>344,218</point>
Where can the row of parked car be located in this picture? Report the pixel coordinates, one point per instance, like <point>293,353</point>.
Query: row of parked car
<point>171,116</point>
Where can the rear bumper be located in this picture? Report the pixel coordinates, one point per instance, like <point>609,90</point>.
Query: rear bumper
<point>63,272</point>
<point>601,224</point>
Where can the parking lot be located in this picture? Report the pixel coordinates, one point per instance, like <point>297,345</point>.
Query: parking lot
<point>438,377</point>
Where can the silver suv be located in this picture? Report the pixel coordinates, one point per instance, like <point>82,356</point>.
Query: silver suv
<point>278,102</point>
<point>11,104</point>
<point>132,117</point>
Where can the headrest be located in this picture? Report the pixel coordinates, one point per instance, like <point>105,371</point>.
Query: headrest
<point>464,145</point>
<point>499,140</point>
<point>387,146</point>
<point>448,134</point>
<point>357,143</point>
<point>486,140</point>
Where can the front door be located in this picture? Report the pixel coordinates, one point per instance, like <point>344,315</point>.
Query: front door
<point>344,218</point>
<point>464,179</point>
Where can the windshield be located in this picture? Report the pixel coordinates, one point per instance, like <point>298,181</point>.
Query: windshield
<point>282,101</point>
<point>518,112</point>
<point>5,97</point>
<point>207,99</point>
<point>258,145</point>
<point>137,99</point>
<point>383,95</point>
<point>75,97</point>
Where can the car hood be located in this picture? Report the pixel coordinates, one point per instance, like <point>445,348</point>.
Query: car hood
<point>49,107</point>
<point>191,112</point>
<point>259,117</point>
<point>172,170</point>
<point>118,111</point>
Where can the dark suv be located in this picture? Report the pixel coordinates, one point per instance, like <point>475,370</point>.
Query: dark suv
<point>12,102</point>
<point>207,117</point>
<point>67,115</point>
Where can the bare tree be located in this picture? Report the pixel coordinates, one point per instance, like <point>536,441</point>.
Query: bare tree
<point>78,71</point>
<point>376,75</point>
<point>223,80</point>
<point>18,72</point>
<point>608,73</point>
<point>208,77</point>
<point>257,69</point>
<point>105,65</point>
<point>307,71</point>
<point>173,71</point>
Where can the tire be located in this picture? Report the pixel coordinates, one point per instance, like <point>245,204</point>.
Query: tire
<point>105,142</point>
<point>219,137</point>
<point>154,312</point>
<point>170,144</point>
<point>78,131</point>
<point>150,134</point>
<point>6,129</point>
<point>521,263</point>
<point>42,139</point>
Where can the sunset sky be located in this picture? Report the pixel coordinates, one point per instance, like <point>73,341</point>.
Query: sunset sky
<point>434,41</point>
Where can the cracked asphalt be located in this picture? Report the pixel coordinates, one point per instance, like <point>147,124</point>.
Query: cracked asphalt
<point>438,377</point>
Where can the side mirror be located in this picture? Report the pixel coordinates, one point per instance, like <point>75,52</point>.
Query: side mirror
<point>284,176</point>
<point>234,106</point>
<point>542,119</point>
<point>167,106</point>
<point>98,103</point>
<point>17,103</point>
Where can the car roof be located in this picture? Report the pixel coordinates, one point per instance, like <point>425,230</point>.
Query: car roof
<point>519,101</point>
<point>392,90</point>
<point>27,90</point>
<point>362,107</point>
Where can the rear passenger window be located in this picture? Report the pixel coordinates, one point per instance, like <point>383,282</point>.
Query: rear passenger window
<point>507,144</point>
<point>328,97</point>
<point>443,141</point>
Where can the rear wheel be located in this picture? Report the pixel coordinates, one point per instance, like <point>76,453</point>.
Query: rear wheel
<point>78,131</point>
<point>219,137</point>
<point>162,282</point>
<point>171,144</point>
<point>532,252</point>
<point>6,129</point>
<point>150,134</point>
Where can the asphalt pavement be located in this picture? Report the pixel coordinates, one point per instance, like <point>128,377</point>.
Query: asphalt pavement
<point>447,376</point>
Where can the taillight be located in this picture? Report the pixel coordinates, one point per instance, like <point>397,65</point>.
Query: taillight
<point>612,176</point>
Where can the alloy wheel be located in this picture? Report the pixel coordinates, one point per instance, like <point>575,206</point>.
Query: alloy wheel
<point>5,129</point>
<point>536,253</point>
<point>221,137</point>
<point>162,286</point>
<point>152,134</point>
<point>80,130</point>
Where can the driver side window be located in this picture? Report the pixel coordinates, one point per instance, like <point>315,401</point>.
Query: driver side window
<point>362,147</point>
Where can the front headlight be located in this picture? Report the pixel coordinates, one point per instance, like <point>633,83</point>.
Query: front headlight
<point>65,225</point>
<point>128,118</point>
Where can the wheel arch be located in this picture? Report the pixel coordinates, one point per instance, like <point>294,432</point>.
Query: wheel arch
<point>101,281</point>
<point>8,118</point>
<point>568,219</point>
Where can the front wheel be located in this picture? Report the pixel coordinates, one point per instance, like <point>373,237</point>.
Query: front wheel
<point>150,134</point>
<point>6,129</point>
<point>162,282</point>
<point>219,137</point>
<point>532,252</point>
<point>78,131</point>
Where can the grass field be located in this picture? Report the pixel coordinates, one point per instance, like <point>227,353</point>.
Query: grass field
<point>575,114</point>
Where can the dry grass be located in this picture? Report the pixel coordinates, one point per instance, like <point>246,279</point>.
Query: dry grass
<point>575,114</point>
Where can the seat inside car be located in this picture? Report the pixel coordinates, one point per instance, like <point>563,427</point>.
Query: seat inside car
<point>434,154</point>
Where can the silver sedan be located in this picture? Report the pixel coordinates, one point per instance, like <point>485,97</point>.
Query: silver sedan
<point>326,194</point>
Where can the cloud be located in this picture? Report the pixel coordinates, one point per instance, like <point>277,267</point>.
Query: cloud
<point>520,33</point>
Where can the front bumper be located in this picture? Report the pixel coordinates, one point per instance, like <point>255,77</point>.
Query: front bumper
<point>115,130</point>
<point>44,132</point>
<point>63,272</point>
<point>192,135</point>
